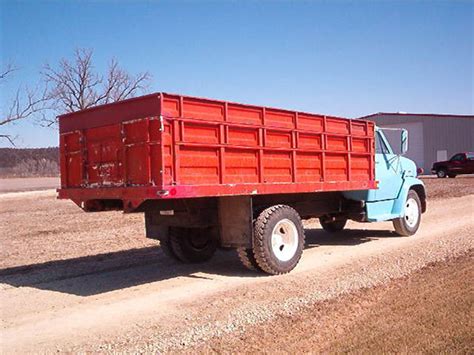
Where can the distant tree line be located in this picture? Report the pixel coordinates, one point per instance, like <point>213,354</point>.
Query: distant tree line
<point>29,162</point>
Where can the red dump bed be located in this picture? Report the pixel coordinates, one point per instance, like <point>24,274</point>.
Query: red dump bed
<point>171,146</point>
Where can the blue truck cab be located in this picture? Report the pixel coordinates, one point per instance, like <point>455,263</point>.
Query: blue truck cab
<point>400,196</point>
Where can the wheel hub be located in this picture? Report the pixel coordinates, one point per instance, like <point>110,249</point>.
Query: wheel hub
<point>412,213</point>
<point>199,240</point>
<point>284,240</point>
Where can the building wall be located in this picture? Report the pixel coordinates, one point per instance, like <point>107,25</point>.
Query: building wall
<point>452,133</point>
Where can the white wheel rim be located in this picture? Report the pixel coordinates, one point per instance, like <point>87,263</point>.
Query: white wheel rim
<point>412,212</point>
<point>284,240</point>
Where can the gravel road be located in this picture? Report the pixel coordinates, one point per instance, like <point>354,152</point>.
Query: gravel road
<point>72,281</point>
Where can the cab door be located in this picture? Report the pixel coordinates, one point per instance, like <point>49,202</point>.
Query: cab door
<point>458,164</point>
<point>470,163</point>
<point>388,169</point>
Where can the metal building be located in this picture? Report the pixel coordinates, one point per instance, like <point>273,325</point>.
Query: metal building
<point>432,137</point>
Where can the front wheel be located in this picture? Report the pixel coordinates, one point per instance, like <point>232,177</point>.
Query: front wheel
<point>278,239</point>
<point>332,226</point>
<point>410,221</point>
<point>441,173</point>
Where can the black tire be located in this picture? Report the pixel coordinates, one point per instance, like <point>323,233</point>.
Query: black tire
<point>332,226</point>
<point>401,225</point>
<point>248,259</point>
<point>264,227</point>
<point>441,173</point>
<point>192,245</point>
<point>167,249</point>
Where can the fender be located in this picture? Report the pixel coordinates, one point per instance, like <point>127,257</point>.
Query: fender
<point>409,183</point>
<point>386,210</point>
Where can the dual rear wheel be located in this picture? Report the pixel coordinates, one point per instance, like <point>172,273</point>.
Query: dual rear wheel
<point>278,241</point>
<point>190,245</point>
<point>277,245</point>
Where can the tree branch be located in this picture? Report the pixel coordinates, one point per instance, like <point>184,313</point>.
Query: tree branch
<point>10,68</point>
<point>73,85</point>
<point>8,138</point>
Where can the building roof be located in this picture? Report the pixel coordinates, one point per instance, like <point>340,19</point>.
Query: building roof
<point>398,114</point>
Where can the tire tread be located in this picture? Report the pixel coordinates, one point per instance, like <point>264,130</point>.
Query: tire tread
<point>175,245</point>
<point>259,239</point>
<point>399,223</point>
<point>248,259</point>
<point>167,248</point>
<point>177,238</point>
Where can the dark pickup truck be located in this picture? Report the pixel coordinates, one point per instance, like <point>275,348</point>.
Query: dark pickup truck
<point>461,163</point>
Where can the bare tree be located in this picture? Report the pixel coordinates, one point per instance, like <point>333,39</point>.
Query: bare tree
<point>23,105</point>
<point>9,68</point>
<point>74,86</point>
<point>68,87</point>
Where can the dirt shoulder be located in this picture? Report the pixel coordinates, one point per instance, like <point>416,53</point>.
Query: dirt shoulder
<point>38,228</point>
<point>28,184</point>
<point>445,188</point>
<point>429,311</point>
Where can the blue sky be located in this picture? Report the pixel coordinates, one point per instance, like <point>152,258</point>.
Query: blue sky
<point>343,58</point>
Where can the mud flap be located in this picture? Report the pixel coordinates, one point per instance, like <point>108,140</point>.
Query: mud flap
<point>235,221</point>
<point>155,230</point>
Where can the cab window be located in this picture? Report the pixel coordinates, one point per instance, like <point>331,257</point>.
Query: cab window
<point>380,146</point>
<point>458,157</point>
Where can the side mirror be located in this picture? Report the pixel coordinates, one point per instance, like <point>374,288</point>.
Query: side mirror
<point>404,141</point>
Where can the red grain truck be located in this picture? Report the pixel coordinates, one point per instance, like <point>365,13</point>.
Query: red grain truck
<point>211,174</point>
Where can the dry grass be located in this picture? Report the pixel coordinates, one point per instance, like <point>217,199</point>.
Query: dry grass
<point>430,311</point>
